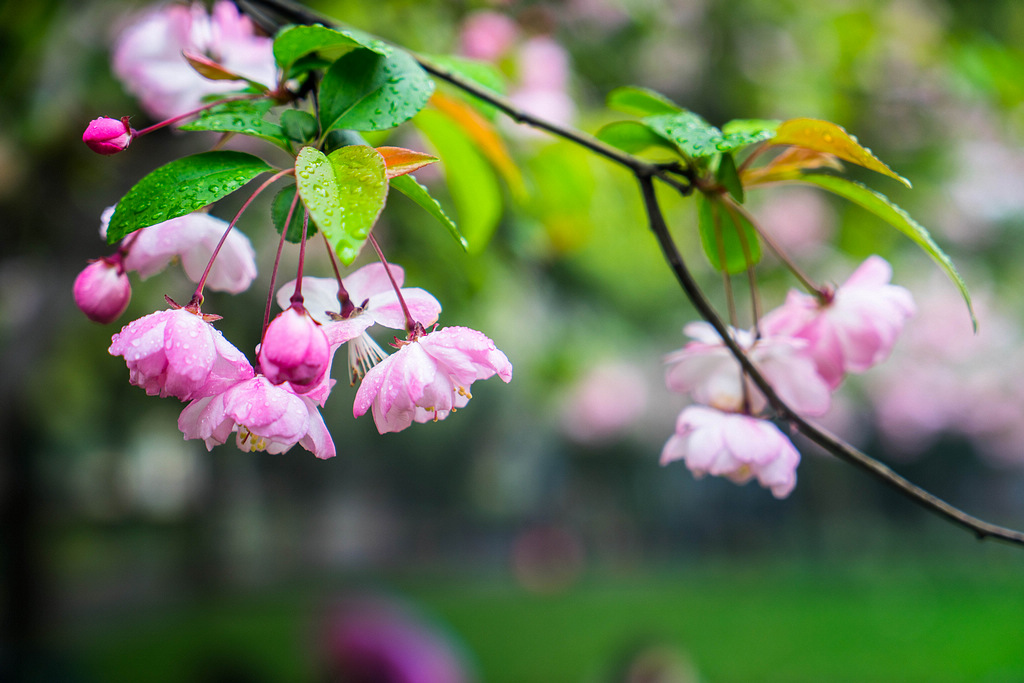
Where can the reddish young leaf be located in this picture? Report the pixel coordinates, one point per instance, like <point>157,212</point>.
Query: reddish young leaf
<point>399,160</point>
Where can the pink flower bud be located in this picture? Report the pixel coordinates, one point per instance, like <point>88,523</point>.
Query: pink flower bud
<point>108,136</point>
<point>102,291</point>
<point>295,349</point>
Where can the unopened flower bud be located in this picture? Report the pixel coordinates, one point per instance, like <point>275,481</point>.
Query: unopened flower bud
<point>108,136</point>
<point>295,349</point>
<point>102,291</point>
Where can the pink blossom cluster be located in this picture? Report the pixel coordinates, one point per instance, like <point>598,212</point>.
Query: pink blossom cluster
<point>275,405</point>
<point>540,65</point>
<point>804,348</point>
<point>149,59</point>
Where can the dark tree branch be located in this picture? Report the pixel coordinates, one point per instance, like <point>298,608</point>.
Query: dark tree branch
<point>272,14</point>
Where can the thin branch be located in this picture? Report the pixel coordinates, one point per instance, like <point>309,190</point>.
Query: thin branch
<point>682,180</point>
<point>818,435</point>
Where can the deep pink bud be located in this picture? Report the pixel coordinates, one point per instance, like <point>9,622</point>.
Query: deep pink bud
<point>295,349</point>
<point>102,291</point>
<point>108,136</point>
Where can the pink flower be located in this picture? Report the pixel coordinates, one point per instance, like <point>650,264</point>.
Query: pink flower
<point>102,290</point>
<point>108,136</point>
<point>707,369</point>
<point>428,377</point>
<point>370,290</point>
<point>294,349</point>
<point>487,35</point>
<point>264,416</point>
<point>192,239</point>
<point>853,331</point>
<point>177,353</point>
<point>609,398</point>
<point>148,55</point>
<point>734,446</point>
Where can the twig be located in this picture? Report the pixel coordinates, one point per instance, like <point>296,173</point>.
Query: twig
<point>682,180</point>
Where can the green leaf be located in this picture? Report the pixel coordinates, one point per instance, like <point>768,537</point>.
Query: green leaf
<point>881,206</point>
<point>730,242</point>
<point>298,41</point>
<point>279,214</point>
<point>471,180</point>
<point>482,73</point>
<point>695,137</point>
<point>367,91</point>
<point>828,137</point>
<point>632,137</point>
<point>740,133</point>
<point>344,194</point>
<point>411,188</point>
<point>726,175</point>
<point>181,187</point>
<point>299,125</point>
<point>244,118</point>
<point>641,102</point>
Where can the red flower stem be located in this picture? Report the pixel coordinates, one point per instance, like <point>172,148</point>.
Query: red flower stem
<point>297,296</point>
<point>198,296</point>
<point>413,328</point>
<point>180,117</point>
<point>347,307</point>
<point>277,262</point>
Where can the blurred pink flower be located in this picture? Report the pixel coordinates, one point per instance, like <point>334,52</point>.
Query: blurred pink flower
<point>487,35</point>
<point>192,238</point>
<point>295,350</point>
<point>264,416</point>
<point>853,331</point>
<point>609,398</point>
<point>102,290</point>
<point>707,370</point>
<point>799,219</point>
<point>370,639</point>
<point>428,377</point>
<point>543,80</point>
<point>734,446</point>
<point>177,353</point>
<point>148,55</point>
<point>108,136</point>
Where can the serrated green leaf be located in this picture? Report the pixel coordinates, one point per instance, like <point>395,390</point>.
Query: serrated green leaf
<point>411,188</point>
<point>298,41</point>
<point>632,137</point>
<point>471,180</point>
<point>695,137</point>
<point>279,214</point>
<point>828,137</point>
<point>244,118</point>
<point>344,193</point>
<point>641,102</point>
<point>181,187</point>
<point>366,91</point>
<point>726,175</point>
<point>299,125</point>
<point>729,241</point>
<point>880,205</point>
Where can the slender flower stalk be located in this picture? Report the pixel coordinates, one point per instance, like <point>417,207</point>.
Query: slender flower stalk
<point>414,328</point>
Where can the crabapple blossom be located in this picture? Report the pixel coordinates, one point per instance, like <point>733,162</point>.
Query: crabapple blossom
<point>487,35</point>
<point>102,290</point>
<point>263,416</point>
<point>191,238</point>
<point>294,349</point>
<point>373,297</point>
<point>707,369</point>
<point>148,55</point>
<point>854,329</point>
<point>735,446</point>
<point>428,377</point>
<point>177,353</point>
<point>108,136</point>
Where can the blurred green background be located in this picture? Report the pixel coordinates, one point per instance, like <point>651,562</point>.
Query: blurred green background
<point>548,548</point>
